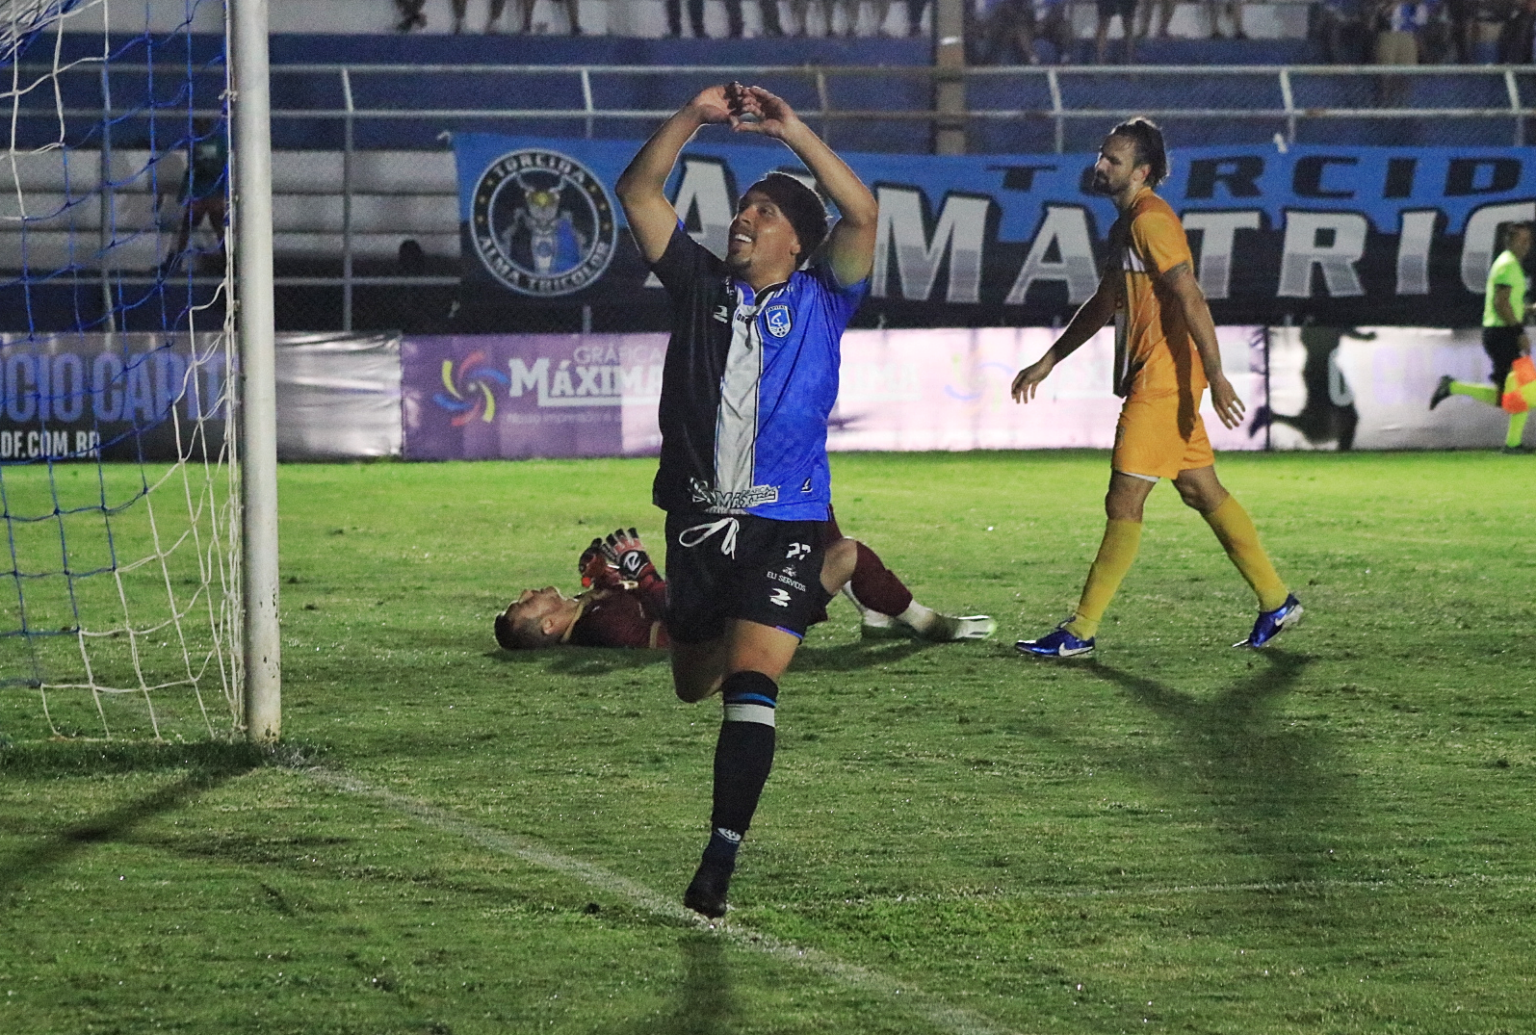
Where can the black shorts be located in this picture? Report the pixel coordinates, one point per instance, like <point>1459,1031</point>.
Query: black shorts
<point>1503,347</point>
<point>1124,8</point>
<point>748,568</point>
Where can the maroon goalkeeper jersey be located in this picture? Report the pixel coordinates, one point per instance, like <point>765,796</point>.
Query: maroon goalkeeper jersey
<point>621,614</point>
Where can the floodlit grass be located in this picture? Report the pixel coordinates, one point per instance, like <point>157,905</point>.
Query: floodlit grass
<point>1332,836</point>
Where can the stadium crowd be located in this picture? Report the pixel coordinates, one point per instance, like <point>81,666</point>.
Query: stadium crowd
<point>1385,32</point>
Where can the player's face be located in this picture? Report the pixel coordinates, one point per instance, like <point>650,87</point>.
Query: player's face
<point>537,604</point>
<point>1116,168</point>
<point>762,237</point>
<point>1520,242</point>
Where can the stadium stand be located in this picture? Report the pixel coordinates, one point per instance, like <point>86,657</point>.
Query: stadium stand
<point>365,183</point>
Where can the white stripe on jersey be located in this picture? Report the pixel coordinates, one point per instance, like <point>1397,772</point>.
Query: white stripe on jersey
<point>737,424</point>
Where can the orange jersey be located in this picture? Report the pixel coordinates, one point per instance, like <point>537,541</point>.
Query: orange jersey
<point>1154,353</point>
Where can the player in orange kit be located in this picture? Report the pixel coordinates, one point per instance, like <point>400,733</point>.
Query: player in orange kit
<point>1165,356</point>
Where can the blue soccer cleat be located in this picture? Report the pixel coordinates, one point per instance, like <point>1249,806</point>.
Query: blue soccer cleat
<point>1273,623</point>
<point>1058,643</point>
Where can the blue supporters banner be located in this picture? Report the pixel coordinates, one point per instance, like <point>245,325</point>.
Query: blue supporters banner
<point>1341,236</point>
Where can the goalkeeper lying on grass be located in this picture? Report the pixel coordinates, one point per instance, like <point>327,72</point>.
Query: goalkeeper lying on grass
<point>623,602</point>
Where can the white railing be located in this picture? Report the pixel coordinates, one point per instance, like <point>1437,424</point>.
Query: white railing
<point>353,207</point>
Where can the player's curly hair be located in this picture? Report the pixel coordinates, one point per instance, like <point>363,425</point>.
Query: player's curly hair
<point>800,205</point>
<point>1150,149</point>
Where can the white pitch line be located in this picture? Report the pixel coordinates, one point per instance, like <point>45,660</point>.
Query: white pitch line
<point>947,1018</point>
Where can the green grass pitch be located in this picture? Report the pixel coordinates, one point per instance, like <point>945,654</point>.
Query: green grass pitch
<point>1334,836</point>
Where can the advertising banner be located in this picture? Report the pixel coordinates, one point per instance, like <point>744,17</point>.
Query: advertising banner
<point>471,398</point>
<point>338,396</point>
<point>114,397</point>
<point>1369,388</point>
<point>1333,235</point>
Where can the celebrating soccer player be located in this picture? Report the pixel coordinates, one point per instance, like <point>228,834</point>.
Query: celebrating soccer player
<point>1165,356</point>
<point>749,381</point>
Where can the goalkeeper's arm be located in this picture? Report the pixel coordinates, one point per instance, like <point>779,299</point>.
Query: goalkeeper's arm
<point>626,553</point>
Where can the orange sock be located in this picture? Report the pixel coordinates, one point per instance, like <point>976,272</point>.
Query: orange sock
<point>1117,552</point>
<point>1240,539</point>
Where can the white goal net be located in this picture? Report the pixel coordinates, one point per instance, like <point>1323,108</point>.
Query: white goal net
<point>121,611</point>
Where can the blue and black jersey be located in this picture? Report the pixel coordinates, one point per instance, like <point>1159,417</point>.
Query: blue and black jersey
<point>749,382</point>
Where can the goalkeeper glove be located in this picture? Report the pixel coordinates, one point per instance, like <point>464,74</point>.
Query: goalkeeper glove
<point>593,564</point>
<point>626,552</point>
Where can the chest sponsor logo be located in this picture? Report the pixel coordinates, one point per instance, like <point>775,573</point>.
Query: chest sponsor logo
<point>724,501</point>
<point>777,319</point>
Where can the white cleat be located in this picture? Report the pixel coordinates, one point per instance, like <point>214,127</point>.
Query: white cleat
<point>950,628</point>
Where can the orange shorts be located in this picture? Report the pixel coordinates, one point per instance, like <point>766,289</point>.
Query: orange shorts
<point>1159,436</point>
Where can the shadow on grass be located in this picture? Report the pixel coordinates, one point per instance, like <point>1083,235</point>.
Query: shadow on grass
<point>596,661</point>
<point>705,1003</point>
<point>207,765</point>
<point>583,661</point>
<point>847,657</point>
<point>1273,785</point>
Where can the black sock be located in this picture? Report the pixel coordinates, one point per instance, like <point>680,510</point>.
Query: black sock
<point>743,759</point>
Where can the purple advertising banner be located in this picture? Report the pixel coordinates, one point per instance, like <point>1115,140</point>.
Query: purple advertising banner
<point>519,396</point>
<point>512,397</point>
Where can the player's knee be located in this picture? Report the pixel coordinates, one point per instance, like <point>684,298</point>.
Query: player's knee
<point>696,672</point>
<point>1190,494</point>
<point>1122,507</point>
<point>837,564</point>
<point>691,691</point>
<point>1200,496</point>
<point>749,696</point>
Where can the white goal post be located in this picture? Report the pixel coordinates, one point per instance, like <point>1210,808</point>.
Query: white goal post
<point>256,327</point>
<point>138,471</point>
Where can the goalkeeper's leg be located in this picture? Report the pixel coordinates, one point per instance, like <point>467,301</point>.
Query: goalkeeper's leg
<point>887,608</point>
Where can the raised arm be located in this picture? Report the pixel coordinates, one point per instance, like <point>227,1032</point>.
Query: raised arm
<point>1180,282</point>
<point>1086,322</point>
<point>851,244</point>
<point>642,186</point>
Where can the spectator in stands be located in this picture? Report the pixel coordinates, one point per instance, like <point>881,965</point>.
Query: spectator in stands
<point>1397,40</point>
<point>1458,17</point>
<point>1340,26</point>
<point>769,9</point>
<point>695,17</point>
<point>800,14</point>
<point>411,16</point>
<point>915,17</point>
<point>1126,9</point>
<point>1234,14</point>
<point>1517,40</point>
<point>1397,43</point>
<point>202,191</point>
<point>493,22</point>
<point>421,308</point>
<point>1437,36</point>
<point>882,10</point>
<point>1008,32</point>
<point>1148,16</point>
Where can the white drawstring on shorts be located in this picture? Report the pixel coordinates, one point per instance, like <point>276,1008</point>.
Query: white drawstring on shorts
<point>699,533</point>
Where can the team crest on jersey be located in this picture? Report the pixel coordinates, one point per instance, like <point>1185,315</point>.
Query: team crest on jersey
<point>777,319</point>
<point>542,223</point>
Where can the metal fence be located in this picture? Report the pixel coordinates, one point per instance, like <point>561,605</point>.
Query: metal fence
<point>369,167</point>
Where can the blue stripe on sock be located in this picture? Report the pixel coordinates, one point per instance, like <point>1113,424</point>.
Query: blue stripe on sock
<point>761,699</point>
